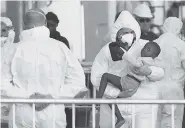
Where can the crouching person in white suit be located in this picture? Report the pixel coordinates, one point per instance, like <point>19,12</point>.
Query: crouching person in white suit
<point>109,60</point>
<point>42,68</point>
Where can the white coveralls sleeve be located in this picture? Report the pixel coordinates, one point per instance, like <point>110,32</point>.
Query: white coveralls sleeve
<point>136,62</point>
<point>99,67</point>
<point>157,73</point>
<point>74,77</point>
<point>16,90</point>
<point>10,90</point>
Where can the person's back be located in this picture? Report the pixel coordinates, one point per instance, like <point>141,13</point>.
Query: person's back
<point>41,68</point>
<point>44,63</point>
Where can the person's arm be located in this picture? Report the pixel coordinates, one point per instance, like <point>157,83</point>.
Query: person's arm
<point>10,89</point>
<point>74,82</point>
<point>157,73</point>
<point>153,73</point>
<point>133,54</point>
<point>99,67</point>
<point>135,61</point>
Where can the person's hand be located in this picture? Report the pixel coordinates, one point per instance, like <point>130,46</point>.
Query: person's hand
<point>40,107</point>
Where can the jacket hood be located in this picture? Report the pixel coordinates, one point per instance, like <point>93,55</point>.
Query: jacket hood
<point>125,20</point>
<point>172,25</point>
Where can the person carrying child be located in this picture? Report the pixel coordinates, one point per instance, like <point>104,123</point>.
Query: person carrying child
<point>130,82</point>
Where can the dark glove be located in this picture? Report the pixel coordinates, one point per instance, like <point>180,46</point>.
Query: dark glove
<point>124,46</point>
<point>40,107</point>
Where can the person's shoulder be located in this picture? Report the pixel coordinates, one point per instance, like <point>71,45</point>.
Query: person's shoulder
<point>105,49</point>
<point>62,37</point>
<point>103,53</point>
<point>152,36</point>
<point>57,33</point>
<point>65,41</point>
<point>55,42</point>
<point>58,43</point>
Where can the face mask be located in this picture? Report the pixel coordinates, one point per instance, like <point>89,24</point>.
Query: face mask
<point>3,41</point>
<point>127,38</point>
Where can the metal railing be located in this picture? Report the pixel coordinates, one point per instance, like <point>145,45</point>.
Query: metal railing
<point>93,103</point>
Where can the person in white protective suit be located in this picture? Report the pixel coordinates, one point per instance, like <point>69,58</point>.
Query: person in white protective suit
<point>173,55</point>
<point>7,52</point>
<point>104,63</point>
<point>42,68</point>
<point>7,45</point>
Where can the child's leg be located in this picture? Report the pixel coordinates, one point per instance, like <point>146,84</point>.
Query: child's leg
<point>113,79</point>
<point>120,119</point>
<point>117,112</point>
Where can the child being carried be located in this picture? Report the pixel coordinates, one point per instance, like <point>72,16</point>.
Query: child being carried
<point>129,84</point>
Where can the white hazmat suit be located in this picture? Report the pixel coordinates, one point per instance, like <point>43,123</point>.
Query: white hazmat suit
<point>103,63</point>
<point>45,66</point>
<point>7,51</point>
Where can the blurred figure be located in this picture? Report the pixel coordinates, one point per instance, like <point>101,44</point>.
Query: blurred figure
<point>42,68</point>
<point>7,52</point>
<point>173,55</point>
<point>143,15</point>
<point>173,10</point>
<point>7,32</point>
<point>7,46</point>
<point>52,23</point>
